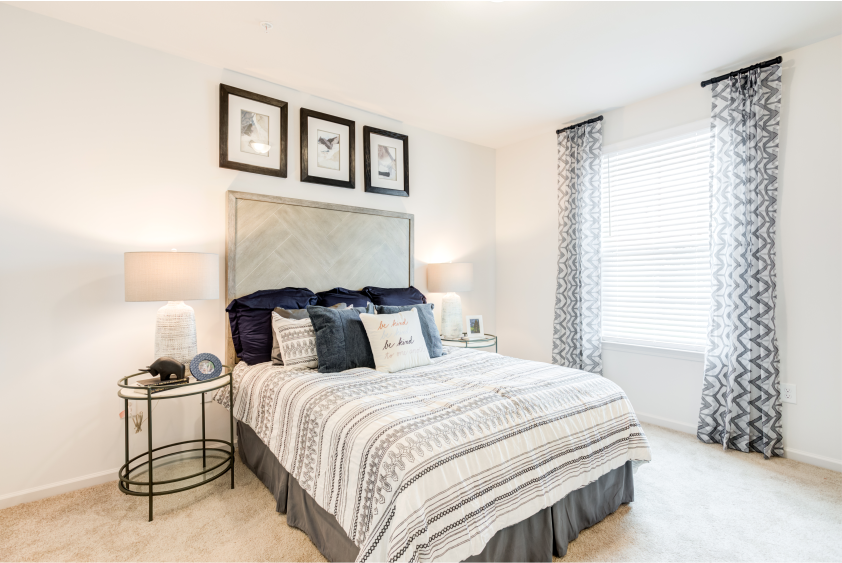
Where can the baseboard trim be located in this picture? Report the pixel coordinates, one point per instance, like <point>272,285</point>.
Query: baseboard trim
<point>814,459</point>
<point>53,489</point>
<point>667,423</point>
<point>61,487</point>
<point>789,453</point>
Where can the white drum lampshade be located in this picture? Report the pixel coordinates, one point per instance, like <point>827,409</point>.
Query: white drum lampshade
<point>174,277</point>
<point>449,278</point>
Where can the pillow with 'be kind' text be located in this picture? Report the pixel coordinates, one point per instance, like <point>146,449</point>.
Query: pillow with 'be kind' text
<point>397,342</point>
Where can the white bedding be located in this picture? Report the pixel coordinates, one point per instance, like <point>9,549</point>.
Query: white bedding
<point>427,464</point>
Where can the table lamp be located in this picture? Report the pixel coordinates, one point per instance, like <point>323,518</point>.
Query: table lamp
<point>174,277</point>
<point>449,278</point>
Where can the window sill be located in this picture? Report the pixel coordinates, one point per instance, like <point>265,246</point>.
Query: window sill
<point>688,355</point>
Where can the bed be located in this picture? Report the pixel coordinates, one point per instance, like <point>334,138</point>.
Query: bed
<point>477,456</point>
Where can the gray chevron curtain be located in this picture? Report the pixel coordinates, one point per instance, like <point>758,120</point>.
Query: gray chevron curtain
<point>577,327</point>
<point>741,403</point>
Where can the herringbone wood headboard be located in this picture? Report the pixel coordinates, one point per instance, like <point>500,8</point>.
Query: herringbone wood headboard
<point>273,242</point>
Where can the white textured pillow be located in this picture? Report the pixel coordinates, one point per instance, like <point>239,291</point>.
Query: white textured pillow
<point>296,341</point>
<point>397,342</point>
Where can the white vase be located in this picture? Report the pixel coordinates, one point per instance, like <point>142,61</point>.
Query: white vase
<point>451,316</point>
<point>175,332</point>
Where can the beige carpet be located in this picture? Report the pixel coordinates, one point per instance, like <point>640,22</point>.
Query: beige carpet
<point>694,502</point>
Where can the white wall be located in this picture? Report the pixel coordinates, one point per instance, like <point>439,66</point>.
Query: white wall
<point>108,147</point>
<point>666,387</point>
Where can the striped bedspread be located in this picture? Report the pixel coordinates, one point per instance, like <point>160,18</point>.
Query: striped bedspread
<point>427,464</point>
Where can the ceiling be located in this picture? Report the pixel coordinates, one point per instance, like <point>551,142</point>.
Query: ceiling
<point>491,73</point>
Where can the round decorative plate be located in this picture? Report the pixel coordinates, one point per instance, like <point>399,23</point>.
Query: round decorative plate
<point>205,366</point>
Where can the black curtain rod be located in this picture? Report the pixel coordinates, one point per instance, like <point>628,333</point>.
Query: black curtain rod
<point>594,120</point>
<point>775,61</point>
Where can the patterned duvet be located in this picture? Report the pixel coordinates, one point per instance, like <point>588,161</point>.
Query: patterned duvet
<point>427,464</point>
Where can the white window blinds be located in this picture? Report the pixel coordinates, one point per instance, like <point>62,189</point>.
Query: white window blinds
<point>655,244</point>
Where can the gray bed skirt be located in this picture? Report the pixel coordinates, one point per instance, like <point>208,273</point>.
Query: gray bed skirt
<point>537,538</point>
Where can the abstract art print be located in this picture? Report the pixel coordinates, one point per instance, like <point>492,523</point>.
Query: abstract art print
<point>327,146</point>
<point>252,132</point>
<point>387,163</point>
<point>327,149</point>
<point>386,159</point>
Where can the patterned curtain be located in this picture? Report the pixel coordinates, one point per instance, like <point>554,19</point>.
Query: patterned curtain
<point>741,403</point>
<point>577,328</point>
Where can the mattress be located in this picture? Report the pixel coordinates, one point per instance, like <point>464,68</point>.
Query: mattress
<point>430,463</point>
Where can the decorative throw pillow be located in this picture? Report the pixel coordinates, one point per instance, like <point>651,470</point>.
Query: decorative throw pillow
<point>296,340</point>
<point>396,296</point>
<point>341,342</point>
<point>251,320</point>
<point>295,314</point>
<point>396,341</point>
<point>341,295</point>
<point>428,325</point>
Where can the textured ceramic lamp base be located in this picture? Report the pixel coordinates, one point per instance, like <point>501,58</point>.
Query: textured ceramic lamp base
<point>175,332</point>
<point>451,316</point>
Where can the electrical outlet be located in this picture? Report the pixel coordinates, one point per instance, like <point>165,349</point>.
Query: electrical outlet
<point>788,393</point>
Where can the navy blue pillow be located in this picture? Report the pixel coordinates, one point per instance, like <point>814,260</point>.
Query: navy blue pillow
<point>336,295</point>
<point>428,324</point>
<point>341,340</point>
<point>395,296</point>
<point>251,320</point>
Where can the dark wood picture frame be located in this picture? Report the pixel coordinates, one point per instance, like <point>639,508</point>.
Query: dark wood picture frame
<point>367,131</point>
<point>305,174</point>
<point>224,92</point>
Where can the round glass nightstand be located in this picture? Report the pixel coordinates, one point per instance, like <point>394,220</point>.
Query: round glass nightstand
<point>488,341</point>
<point>221,456</point>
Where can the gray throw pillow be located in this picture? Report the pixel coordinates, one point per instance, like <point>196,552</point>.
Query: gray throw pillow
<point>341,340</point>
<point>428,324</point>
<point>294,314</point>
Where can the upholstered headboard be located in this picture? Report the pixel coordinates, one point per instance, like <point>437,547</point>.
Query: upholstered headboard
<point>273,242</point>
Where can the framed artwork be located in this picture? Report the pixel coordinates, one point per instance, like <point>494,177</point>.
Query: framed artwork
<point>252,132</point>
<point>327,149</point>
<point>386,157</point>
<point>474,325</point>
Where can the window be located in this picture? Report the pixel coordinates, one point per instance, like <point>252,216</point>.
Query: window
<point>655,244</point>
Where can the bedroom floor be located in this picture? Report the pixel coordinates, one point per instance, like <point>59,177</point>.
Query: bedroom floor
<point>694,502</point>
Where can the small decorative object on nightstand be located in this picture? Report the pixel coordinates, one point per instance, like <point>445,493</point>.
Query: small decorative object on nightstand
<point>449,278</point>
<point>174,277</point>
<point>205,366</point>
<point>166,368</point>
<point>474,326</point>
<point>487,341</point>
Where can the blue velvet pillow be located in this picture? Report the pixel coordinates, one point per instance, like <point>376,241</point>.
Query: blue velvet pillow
<point>251,320</point>
<point>395,296</point>
<point>341,340</point>
<point>428,324</point>
<point>341,295</point>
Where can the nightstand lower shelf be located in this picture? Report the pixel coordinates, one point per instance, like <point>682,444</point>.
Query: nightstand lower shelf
<point>223,459</point>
